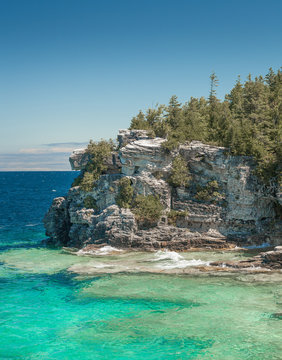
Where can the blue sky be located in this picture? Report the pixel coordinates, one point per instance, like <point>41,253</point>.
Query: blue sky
<point>75,70</point>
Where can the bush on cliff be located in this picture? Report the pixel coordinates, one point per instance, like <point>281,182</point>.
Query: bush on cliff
<point>98,153</point>
<point>209,192</point>
<point>174,215</point>
<point>90,203</point>
<point>147,209</point>
<point>180,175</point>
<point>125,193</point>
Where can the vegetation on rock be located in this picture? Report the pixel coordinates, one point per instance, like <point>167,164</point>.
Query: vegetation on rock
<point>125,193</point>
<point>173,215</point>
<point>89,202</point>
<point>180,175</point>
<point>147,209</point>
<point>98,153</point>
<point>248,121</point>
<point>209,192</point>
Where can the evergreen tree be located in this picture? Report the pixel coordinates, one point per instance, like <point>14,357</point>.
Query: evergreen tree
<point>248,121</point>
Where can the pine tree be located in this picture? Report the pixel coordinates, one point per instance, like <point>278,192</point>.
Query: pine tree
<point>173,116</point>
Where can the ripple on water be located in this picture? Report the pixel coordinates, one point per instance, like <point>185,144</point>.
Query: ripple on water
<point>48,312</point>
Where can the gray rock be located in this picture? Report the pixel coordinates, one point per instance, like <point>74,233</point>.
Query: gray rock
<point>79,159</point>
<point>243,212</point>
<point>127,136</point>
<point>57,222</point>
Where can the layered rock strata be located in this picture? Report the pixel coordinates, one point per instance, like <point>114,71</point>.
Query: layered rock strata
<point>243,211</point>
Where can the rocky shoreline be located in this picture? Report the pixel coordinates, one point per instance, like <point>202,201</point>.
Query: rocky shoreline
<point>243,212</point>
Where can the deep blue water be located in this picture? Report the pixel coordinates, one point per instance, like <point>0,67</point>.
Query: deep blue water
<point>24,199</point>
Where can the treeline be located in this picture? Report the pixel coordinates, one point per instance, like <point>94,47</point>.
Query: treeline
<point>248,121</point>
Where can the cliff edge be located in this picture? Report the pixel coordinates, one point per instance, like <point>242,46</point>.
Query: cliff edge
<point>221,205</point>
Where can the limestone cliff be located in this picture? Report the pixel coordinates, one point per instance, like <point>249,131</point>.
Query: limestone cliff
<point>243,211</point>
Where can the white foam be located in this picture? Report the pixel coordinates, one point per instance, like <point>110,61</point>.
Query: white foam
<point>105,250</point>
<point>173,260</point>
<point>167,255</point>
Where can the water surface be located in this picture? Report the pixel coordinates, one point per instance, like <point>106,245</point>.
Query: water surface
<point>55,305</point>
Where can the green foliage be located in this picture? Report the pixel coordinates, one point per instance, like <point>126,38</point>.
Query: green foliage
<point>180,174</point>
<point>88,181</point>
<point>173,215</point>
<point>147,209</point>
<point>158,174</point>
<point>77,180</point>
<point>248,121</point>
<point>89,202</point>
<point>139,122</point>
<point>98,152</point>
<point>125,193</point>
<point>209,192</point>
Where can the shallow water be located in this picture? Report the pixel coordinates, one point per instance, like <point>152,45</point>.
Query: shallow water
<point>126,305</point>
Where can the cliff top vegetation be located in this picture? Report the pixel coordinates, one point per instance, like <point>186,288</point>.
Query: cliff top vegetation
<point>248,121</point>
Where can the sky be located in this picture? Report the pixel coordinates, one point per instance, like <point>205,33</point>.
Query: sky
<point>74,70</point>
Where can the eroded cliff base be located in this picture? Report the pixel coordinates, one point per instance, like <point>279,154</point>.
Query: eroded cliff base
<point>241,211</point>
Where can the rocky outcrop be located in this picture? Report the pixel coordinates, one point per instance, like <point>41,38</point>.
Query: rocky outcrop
<point>79,159</point>
<point>57,221</point>
<point>273,258</point>
<point>241,210</point>
<point>269,260</point>
<point>128,136</point>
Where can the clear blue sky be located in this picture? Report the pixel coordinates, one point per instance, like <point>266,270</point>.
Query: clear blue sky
<point>75,70</point>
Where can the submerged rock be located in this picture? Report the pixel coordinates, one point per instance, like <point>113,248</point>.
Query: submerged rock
<point>238,209</point>
<point>273,258</point>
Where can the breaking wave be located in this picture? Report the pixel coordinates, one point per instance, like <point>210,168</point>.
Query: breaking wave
<point>105,250</point>
<point>172,260</point>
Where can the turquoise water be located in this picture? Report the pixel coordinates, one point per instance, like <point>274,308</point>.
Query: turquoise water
<point>55,305</point>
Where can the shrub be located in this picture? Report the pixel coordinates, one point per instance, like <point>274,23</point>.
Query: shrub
<point>147,209</point>
<point>98,152</point>
<point>87,182</point>
<point>158,174</point>
<point>125,193</point>
<point>209,192</point>
<point>77,180</point>
<point>180,175</point>
<point>173,215</point>
<point>90,203</point>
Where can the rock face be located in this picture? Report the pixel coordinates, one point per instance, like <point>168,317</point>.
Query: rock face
<point>79,159</point>
<point>241,209</point>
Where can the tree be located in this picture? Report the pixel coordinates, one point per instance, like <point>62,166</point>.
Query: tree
<point>180,174</point>
<point>173,116</point>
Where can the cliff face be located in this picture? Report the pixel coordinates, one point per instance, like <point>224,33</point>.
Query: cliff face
<point>242,211</point>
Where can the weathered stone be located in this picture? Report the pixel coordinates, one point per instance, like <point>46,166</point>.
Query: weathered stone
<point>127,136</point>
<point>57,222</point>
<point>79,159</point>
<point>273,258</point>
<point>242,212</point>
